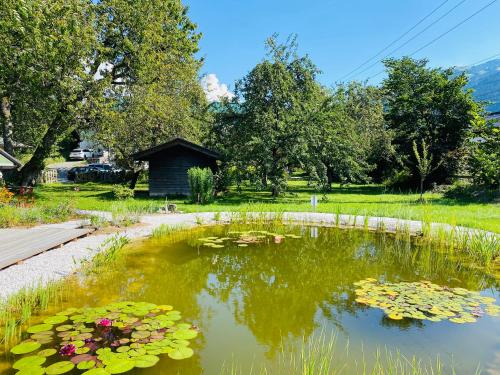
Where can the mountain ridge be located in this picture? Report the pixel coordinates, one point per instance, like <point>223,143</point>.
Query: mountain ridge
<point>484,79</point>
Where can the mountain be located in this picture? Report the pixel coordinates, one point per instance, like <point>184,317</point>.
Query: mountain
<point>485,80</point>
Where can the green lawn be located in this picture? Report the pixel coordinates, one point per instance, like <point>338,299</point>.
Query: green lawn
<point>362,200</point>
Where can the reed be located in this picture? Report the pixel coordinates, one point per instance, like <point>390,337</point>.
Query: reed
<point>17,310</point>
<point>107,253</point>
<point>321,356</point>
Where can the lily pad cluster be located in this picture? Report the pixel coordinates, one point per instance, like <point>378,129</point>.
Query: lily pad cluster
<point>425,301</point>
<point>243,239</point>
<point>112,339</point>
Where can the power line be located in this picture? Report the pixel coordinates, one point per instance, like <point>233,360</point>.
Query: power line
<point>454,27</point>
<point>396,40</point>
<point>484,60</point>
<point>413,37</point>
<point>445,33</point>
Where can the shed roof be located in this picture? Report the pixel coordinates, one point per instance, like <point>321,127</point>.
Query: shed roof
<point>147,154</point>
<point>7,161</point>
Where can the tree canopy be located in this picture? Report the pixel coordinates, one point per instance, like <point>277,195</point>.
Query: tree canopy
<point>429,104</point>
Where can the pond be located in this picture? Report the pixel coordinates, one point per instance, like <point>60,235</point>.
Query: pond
<point>260,299</point>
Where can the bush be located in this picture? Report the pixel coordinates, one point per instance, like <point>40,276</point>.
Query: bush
<point>399,178</point>
<point>122,193</point>
<point>471,192</point>
<point>201,184</point>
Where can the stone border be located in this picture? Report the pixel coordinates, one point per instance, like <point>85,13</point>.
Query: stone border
<point>61,262</point>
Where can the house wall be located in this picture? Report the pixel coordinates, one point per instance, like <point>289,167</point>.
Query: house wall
<point>168,170</point>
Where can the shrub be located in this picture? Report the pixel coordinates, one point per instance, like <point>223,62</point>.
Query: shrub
<point>201,184</point>
<point>5,196</point>
<point>122,193</point>
<point>470,192</point>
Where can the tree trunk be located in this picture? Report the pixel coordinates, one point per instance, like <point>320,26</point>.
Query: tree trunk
<point>8,126</point>
<point>30,171</point>
<point>135,177</point>
<point>421,189</point>
<point>329,177</point>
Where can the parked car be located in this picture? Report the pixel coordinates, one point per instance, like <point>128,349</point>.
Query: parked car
<point>101,167</point>
<point>96,172</point>
<point>81,154</point>
<point>76,170</point>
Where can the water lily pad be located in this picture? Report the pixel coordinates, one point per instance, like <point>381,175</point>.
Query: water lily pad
<point>25,347</point>
<point>82,350</point>
<point>47,352</point>
<point>120,366</point>
<point>60,368</point>
<point>33,370</point>
<point>31,361</point>
<point>96,371</point>
<point>181,353</point>
<point>185,334</point>
<point>86,365</point>
<point>423,300</point>
<point>146,360</point>
<point>141,334</point>
<point>56,319</point>
<point>65,327</point>
<point>39,328</point>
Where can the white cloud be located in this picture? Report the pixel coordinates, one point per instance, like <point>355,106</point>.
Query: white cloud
<point>214,90</point>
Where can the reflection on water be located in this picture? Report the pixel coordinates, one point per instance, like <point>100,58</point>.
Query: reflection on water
<point>253,303</point>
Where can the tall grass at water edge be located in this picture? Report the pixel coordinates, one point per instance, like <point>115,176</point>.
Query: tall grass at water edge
<point>320,355</point>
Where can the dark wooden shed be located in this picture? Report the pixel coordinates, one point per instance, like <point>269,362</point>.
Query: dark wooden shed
<point>169,163</point>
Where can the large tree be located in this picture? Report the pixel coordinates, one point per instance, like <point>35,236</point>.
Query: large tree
<point>47,64</point>
<point>428,104</point>
<point>124,69</point>
<point>347,139</point>
<point>154,93</point>
<point>267,120</point>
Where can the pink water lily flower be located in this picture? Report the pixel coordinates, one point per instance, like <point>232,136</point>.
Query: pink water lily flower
<point>68,350</point>
<point>105,323</point>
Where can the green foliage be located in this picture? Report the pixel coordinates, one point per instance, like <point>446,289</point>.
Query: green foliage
<point>424,163</point>
<point>122,193</point>
<point>201,184</point>
<point>47,66</point>
<point>153,92</point>
<point>11,216</point>
<point>127,70</point>
<point>428,104</point>
<point>265,125</point>
<point>484,158</point>
<point>107,253</point>
<point>347,138</point>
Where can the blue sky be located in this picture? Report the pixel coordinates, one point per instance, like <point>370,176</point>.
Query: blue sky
<point>340,34</point>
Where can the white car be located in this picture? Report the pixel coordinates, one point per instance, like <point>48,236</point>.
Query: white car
<point>81,154</point>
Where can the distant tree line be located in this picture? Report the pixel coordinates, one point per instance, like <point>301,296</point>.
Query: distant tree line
<point>415,130</point>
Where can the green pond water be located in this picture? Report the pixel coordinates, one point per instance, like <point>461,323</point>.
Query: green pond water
<point>258,305</point>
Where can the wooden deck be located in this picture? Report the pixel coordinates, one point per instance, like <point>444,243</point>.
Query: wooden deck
<point>20,244</point>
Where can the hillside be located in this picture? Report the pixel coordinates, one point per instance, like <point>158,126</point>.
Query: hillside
<point>485,80</point>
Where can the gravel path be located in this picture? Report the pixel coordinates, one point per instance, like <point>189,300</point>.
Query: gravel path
<point>58,263</point>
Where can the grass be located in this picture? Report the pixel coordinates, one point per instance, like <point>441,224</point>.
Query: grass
<point>366,200</point>
<point>320,356</point>
<point>11,216</point>
<point>17,310</point>
<point>107,253</point>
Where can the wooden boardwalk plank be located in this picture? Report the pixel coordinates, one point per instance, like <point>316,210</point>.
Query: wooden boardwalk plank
<point>20,244</point>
